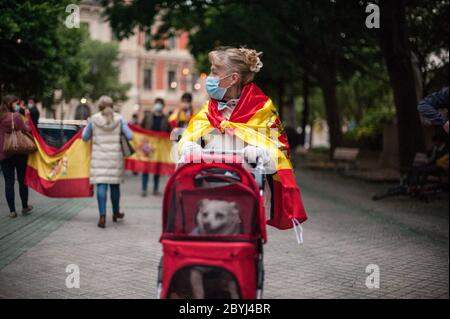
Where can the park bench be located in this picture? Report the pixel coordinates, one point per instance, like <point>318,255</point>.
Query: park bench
<point>346,157</point>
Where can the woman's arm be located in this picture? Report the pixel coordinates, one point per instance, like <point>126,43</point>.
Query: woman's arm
<point>87,131</point>
<point>21,124</point>
<point>126,130</point>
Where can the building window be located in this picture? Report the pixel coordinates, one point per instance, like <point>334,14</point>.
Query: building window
<point>172,42</point>
<point>147,40</point>
<point>172,80</point>
<point>148,76</point>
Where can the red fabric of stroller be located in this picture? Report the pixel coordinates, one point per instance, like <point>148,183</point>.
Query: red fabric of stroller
<point>231,260</point>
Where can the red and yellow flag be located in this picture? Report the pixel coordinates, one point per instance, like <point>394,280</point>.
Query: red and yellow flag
<point>251,121</point>
<point>60,172</point>
<point>152,154</point>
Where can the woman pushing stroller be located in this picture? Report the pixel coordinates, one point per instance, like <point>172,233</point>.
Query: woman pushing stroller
<point>239,116</point>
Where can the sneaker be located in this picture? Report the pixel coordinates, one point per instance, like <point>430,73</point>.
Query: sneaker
<point>144,194</point>
<point>27,210</point>
<point>13,214</point>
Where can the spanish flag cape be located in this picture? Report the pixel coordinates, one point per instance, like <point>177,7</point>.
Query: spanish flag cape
<point>60,172</point>
<point>252,117</point>
<point>152,154</point>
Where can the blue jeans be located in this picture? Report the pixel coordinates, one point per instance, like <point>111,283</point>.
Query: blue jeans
<point>102,192</point>
<point>145,182</point>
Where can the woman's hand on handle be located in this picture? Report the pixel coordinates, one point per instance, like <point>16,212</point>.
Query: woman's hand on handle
<point>189,148</point>
<point>252,153</point>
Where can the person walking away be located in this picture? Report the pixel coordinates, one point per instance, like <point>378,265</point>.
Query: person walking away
<point>104,129</point>
<point>9,114</point>
<point>154,120</point>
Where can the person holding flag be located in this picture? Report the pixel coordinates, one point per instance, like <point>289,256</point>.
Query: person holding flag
<point>183,113</point>
<point>156,121</point>
<point>105,129</point>
<point>246,119</point>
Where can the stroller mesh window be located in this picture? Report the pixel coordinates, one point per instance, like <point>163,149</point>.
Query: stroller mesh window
<point>203,282</point>
<point>228,210</point>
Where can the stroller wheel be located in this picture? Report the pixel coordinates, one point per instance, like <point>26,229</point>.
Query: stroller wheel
<point>159,283</point>
<point>158,290</point>
<point>259,294</point>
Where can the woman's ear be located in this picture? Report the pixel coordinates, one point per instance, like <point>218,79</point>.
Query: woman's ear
<point>235,78</point>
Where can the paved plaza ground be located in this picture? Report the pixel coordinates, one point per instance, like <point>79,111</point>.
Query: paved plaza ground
<point>408,240</point>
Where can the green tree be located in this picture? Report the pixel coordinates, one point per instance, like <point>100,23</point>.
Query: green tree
<point>36,48</point>
<point>397,53</point>
<point>317,42</point>
<point>102,74</point>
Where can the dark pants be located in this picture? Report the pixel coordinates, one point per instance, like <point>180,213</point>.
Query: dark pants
<point>9,166</point>
<point>419,174</point>
<point>145,182</point>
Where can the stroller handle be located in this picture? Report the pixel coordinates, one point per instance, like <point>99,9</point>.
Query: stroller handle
<point>221,151</point>
<point>259,171</point>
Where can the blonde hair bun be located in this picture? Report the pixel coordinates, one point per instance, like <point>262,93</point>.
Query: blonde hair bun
<point>251,58</point>
<point>244,61</point>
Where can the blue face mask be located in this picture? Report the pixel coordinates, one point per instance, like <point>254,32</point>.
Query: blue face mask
<point>16,108</point>
<point>213,89</point>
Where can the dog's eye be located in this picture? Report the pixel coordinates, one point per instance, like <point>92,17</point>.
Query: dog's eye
<point>220,216</point>
<point>205,215</point>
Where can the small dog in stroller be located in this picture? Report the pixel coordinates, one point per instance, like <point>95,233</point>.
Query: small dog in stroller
<point>215,217</point>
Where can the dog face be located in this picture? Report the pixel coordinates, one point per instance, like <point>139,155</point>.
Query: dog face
<point>218,217</point>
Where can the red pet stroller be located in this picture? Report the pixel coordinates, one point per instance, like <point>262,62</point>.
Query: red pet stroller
<point>213,230</point>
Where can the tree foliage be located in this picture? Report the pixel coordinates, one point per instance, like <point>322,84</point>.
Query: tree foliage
<point>102,74</point>
<point>36,48</point>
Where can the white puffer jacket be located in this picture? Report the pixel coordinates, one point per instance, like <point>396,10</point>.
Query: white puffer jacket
<point>107,158</point>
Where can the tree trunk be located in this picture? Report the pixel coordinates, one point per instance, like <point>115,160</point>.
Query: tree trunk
<point>397,55</point>
<point>305,113</point>
<point>289,109</point>
<point>327,81</point>
<point>281,89</point>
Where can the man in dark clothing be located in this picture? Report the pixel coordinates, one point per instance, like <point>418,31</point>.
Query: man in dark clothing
<point>34,112</point>
<point>154,120</point>
<point>437,163</point>
<point>429,108</point>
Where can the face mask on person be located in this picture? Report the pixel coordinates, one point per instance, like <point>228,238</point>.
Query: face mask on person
<point>16,107</point>
<point>213,89</point>
<point>157,107</point>
<point>30,105</point>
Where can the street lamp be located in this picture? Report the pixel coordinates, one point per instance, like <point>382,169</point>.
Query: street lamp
<point>185,71</point>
